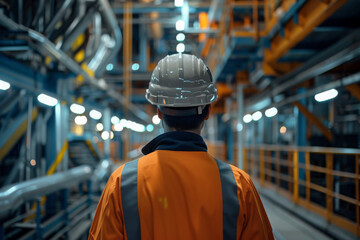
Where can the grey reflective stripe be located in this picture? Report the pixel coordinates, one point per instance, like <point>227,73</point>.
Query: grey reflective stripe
<point>130,201</point>
<point>231,205</point>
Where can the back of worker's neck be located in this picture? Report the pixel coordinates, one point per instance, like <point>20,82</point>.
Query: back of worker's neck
<point>169,129</point>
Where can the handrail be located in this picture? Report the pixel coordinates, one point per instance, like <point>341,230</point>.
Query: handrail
<point>14,195</point>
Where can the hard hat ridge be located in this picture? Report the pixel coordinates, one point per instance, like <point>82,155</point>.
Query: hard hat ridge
<point>181,80</point>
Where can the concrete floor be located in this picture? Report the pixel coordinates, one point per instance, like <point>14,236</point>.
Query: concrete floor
<point>287,227</point>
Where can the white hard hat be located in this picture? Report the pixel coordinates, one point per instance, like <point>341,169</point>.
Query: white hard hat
<point>181,80</point>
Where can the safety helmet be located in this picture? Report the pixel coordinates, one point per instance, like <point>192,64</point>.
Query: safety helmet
<point>181,80</point>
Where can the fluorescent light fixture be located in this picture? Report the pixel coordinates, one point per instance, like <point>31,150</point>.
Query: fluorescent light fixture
<point>80,120</point>
<point>271,112</point>
<point>118,127</point>
<point>99,127</point>
<point>109,67</point>
<point>239,127</point>
<point>256,116</point>
<point>115,120</point>
<point>179,3</point>
<point>180,37</point>
<point>4,85</point>
<point>180,25</point>
<point>111,134</point>
<point>105,135</point>
<point>77,108</point>
<point>135,66</point>
<point>47,100</point>
<point>149,128</point>
<point>180,48</point>
<point>156,120</point>
<point>96,115</point>
<point>247,118</point>
<point>327,95</point>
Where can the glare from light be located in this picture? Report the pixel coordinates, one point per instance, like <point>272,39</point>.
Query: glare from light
<point>111,134</point>
<point>256,116</point>
<point>99,127</point>
<point>115,120</point>
<point>94,114</point>
<point>247,118</point>
<point>327,95</point>
<point>180,25</point>
<point>283,130</point>
<point>156,120</point>
<point>109,67</point>
<point>47,100</point>
<point>180,37</point>
<point>239,127</point>
<point>180,47</point>
<point>135,66</point>
<point>77,108</point>
<point>105,135</point>
<point>271,112</point>
<point>137,127</point>
<point>179,3</point>
<point>80,120</point>
<point>118,127</point>
<point>32,162</point>
<point>4,85</point>
<point>149,128</point>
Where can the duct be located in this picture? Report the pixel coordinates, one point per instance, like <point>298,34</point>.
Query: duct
<point>340,53</point>
<point>11,197</point>
<point>60,14</point>
<point>47,48</point>
<point>110,19</point>
<point>78,29</point>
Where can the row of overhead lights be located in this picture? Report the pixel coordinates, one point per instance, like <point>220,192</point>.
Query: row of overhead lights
<point>180,26</point>
<point>271,112</point>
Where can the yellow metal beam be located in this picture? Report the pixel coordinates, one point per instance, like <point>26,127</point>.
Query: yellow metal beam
<point>16,135</point>
<point>354,89</point>
<point>311,15</point>
<point>314,120</point>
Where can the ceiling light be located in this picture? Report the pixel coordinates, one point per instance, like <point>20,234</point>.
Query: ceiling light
<point>115,120</point>
<point>80,120</point>
<point>99,127</point>
<point>180,25</point>
<point>283,130</point>
<point>118,127</point>
<point>135,66</point>
<point>271,112</point>
<point>47,100</point>
<point>77,109</point>
<point>180,37</point>
<point>109,67</point>
<point>327,95</point>
<point>256,116</point>
<point>4,85</point>
<point>179,3</point>
<point>105,135</point>
<point>96,115</point>
<point>180,48</point>
<point>149,128</point>
<point>247,118</point>
<point>155,119</point>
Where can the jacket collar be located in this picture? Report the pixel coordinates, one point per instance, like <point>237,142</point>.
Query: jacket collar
<point>176,141</point>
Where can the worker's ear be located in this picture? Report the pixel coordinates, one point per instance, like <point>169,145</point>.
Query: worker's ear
<point>159,113</point>
<point>208,115</point>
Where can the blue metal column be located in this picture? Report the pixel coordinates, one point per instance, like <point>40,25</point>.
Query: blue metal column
<point>301,139</point>
<point>38,220</point>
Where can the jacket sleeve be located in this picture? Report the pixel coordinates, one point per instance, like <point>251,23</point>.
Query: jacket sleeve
<point>108,221</point>
<point>253,222</point>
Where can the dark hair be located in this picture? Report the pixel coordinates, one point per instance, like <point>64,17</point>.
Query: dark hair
<point>186,122</point>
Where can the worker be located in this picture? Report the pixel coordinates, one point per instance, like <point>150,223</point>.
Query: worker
<point>177,190</point>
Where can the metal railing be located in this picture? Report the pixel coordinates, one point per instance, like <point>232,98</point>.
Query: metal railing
<point>320,179</point>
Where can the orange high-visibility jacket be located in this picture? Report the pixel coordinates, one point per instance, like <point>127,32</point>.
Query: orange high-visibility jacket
<point>179,191</point>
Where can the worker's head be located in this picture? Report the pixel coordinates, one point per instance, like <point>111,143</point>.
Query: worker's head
<point>182,87</point>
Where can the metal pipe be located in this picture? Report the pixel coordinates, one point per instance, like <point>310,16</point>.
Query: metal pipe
<point>61,12</point>
<point>47,48</point>
<point>13,196</point>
